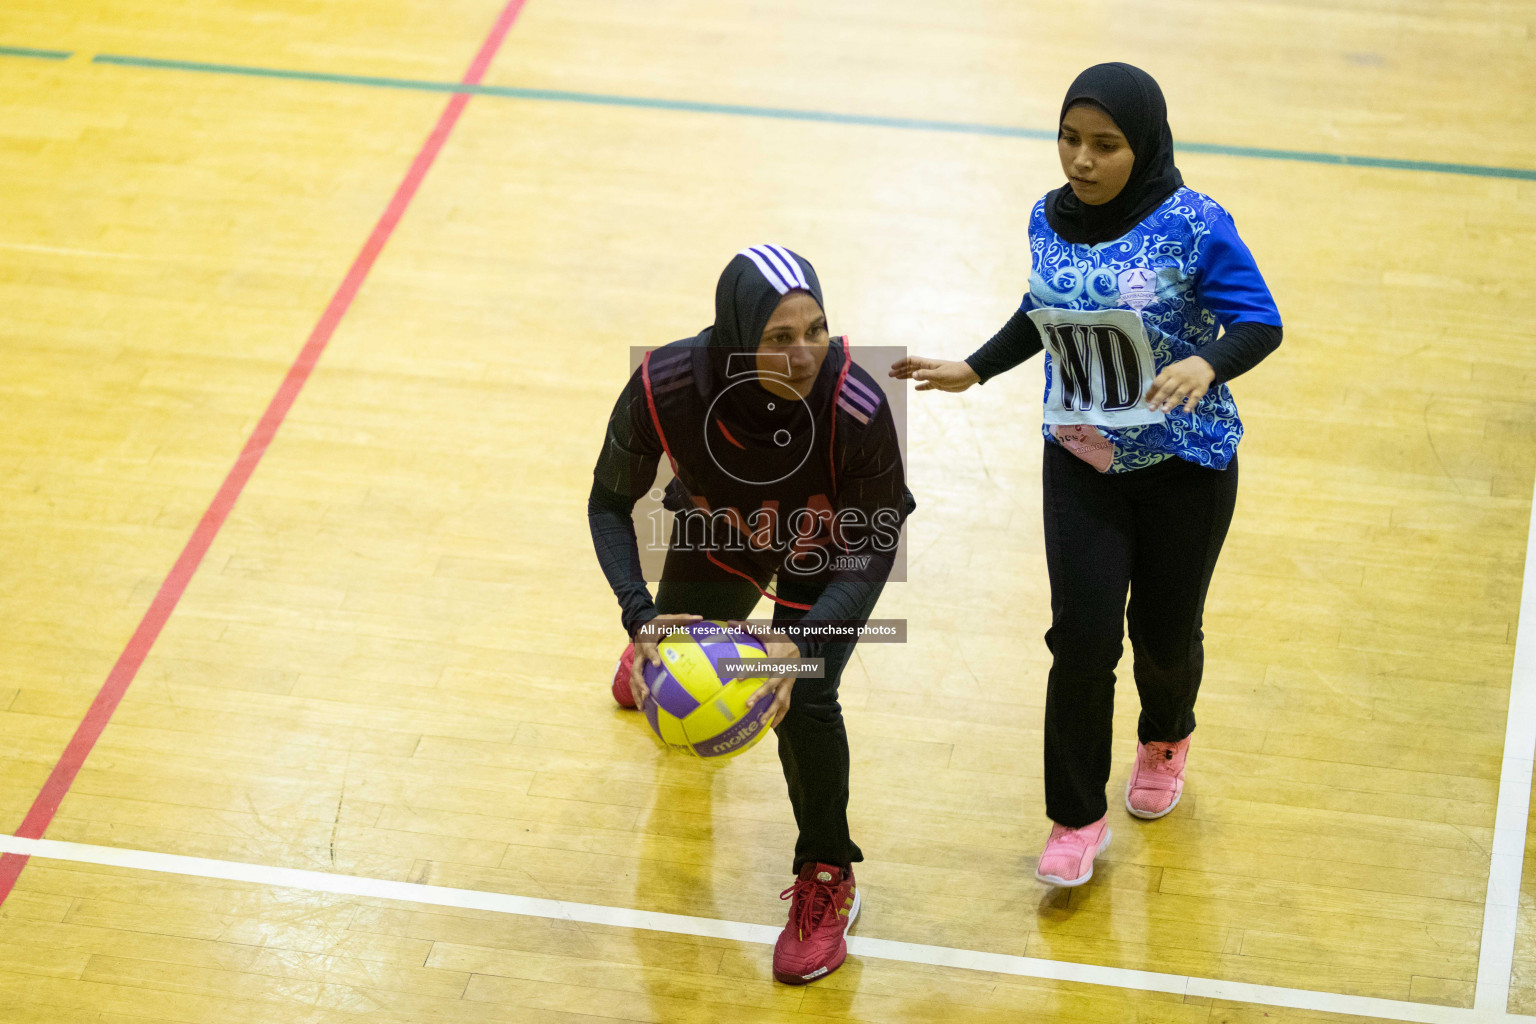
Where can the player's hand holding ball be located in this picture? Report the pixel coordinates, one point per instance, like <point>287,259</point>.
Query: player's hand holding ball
<point>1185,381</point>
<point>777,689</point>
<point>647,639</point>
<point>935,374</point>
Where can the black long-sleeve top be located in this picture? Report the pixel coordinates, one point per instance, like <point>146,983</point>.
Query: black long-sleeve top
<point>870,476</point>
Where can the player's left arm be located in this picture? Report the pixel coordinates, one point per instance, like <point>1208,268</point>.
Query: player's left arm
<point>1229,284</point>
<point>869,511</point>
<point>871,482</point>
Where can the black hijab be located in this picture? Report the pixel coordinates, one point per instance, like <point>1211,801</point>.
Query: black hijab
<point>1134,102</point>
<point>724,364</point>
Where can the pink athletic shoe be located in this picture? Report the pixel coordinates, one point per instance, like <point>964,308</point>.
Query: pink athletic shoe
<point>1157,778</point>
<point>621,691</point>
<point>1068,855</point>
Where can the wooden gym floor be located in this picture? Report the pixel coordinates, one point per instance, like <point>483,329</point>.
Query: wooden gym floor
<point>391,661</point>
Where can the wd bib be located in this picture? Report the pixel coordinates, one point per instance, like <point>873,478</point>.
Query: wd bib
<point>1101,367</point>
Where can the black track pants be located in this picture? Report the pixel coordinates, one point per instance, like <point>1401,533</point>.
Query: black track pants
<point>813,745</point>
<point>1155,532</point>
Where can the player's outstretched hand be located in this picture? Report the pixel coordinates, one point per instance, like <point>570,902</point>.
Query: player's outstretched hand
<point>935,374</point>
<point>778,688</point>
<point>646,649</point>
<point>1185,381</point>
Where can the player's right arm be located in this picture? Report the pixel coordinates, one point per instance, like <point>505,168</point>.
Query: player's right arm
<point>1017,341</point>
<point>935,374</point>
<point>625,470</point>
<point>648,639</point>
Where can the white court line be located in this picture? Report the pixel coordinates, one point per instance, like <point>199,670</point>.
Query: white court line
<point>1501,906</point>
<point>882,949</point>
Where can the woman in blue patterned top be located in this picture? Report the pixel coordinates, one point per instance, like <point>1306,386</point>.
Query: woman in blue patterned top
<point>1145,302</point>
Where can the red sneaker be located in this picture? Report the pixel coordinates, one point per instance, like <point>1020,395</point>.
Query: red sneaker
<point>825,904</point>
<point>621,671</point>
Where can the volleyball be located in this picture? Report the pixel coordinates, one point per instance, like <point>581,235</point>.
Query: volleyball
<point>695,706</point>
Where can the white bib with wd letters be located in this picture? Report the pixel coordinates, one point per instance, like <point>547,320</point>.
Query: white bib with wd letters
<point>1101,367</point>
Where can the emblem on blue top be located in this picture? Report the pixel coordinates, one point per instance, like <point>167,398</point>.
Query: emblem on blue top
<point>1138,288</point>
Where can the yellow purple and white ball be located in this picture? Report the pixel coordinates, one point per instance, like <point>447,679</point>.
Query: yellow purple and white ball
<point>694,707</point>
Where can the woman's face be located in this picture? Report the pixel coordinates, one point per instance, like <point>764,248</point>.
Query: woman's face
<point>1095,156</point>
<point>795,341</point>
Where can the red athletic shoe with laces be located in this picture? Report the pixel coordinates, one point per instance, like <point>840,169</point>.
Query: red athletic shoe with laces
<point>621,692</point>
<point>824,903</point>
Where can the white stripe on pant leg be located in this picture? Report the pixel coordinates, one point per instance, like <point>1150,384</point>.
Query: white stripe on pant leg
<point>737,931</point>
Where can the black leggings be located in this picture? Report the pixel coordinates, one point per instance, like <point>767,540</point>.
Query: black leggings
<point>1156,532</point>
<point>813,745</point>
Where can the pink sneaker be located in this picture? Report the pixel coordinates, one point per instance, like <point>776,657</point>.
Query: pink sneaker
<point>1157,778</point>
<point>1068,855</point>
<point>621,691</point>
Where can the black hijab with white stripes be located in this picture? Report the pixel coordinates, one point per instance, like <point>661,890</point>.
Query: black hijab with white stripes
<point>749,290</point>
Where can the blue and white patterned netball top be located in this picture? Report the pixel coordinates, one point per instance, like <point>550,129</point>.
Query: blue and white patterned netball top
<point>1114,315</point>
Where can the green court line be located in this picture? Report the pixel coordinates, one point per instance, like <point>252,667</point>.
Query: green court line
<point>27,51</point>
<point>793,114</point>
<point>302,76</point>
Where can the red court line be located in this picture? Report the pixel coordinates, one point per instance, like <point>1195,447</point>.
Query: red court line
<point>111,694</point>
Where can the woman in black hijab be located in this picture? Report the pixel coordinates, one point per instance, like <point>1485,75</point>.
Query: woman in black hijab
<point>1132,276</point>
<point>781,448</point>
<point>1133,102</point>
